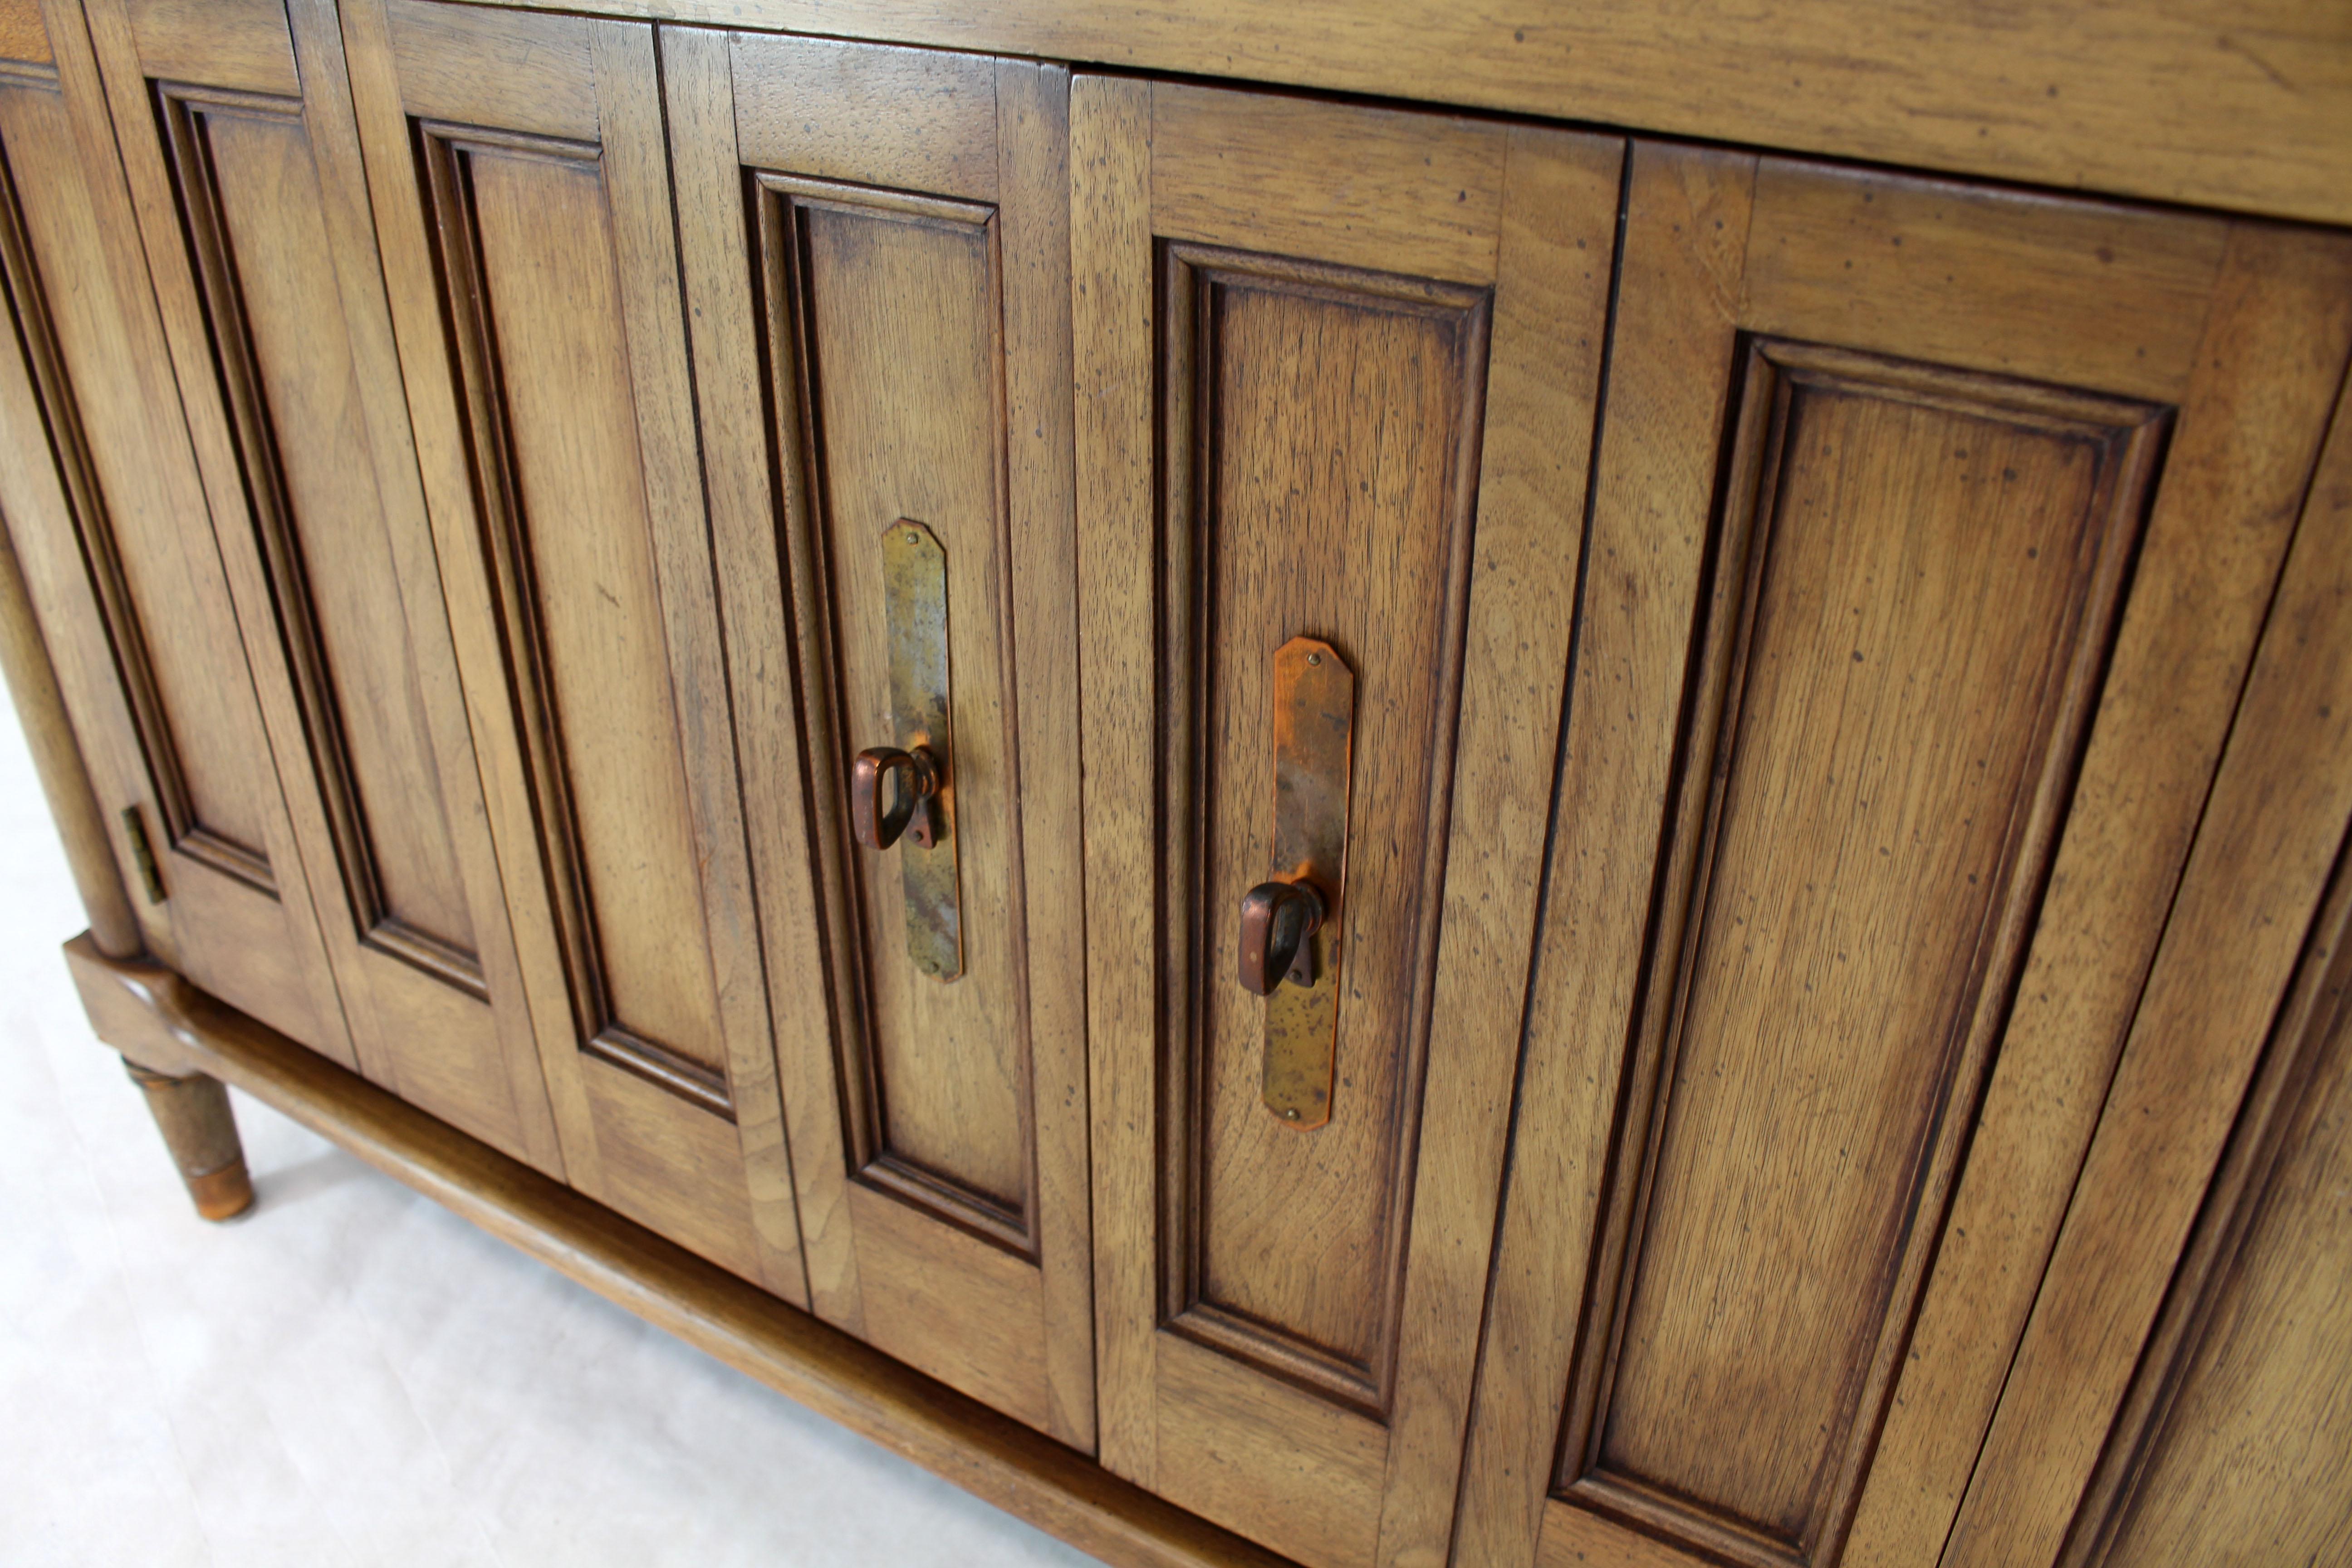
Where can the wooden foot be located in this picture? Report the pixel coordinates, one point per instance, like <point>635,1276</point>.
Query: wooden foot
<point>193,1113</point>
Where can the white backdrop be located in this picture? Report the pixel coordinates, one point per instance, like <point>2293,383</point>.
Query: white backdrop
<point>350,1376</point>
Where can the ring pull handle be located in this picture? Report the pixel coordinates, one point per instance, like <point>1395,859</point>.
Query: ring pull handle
<point>1276,920</point>
<point>913,808</point>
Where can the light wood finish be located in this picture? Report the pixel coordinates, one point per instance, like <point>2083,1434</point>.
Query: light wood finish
<point>146,1008</point>
<point>221,43</point>
<point>554,430</point>
<point>56,758</point>
<point>2271,834</point>
<point>199,1128</point>
<point>1840,1040</point>
<point>1897,937</point>
<point>23,37</point>
<point>2202,101</point>
<point>2234,1442</point>
<point>108,517</point>
<point>914,341</point>
<point>253,204</point>
<point>1287,1325</point>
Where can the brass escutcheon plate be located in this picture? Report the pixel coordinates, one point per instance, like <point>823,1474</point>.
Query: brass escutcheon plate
<point>1314,732</point>
<point>914,609</point>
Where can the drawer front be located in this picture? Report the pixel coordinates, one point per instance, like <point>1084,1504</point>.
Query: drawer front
<point>253,201</point>
<point>1946,520</point>
<point>109,515</point>
<point>520,188</point>
<point>1336,378</point>
<point>875,263</point>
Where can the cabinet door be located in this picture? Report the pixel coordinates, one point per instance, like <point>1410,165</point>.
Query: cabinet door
<point>876,249</point>
<point>522,202</point>
<point>1336,380</point>
<point>2193,1330</point>
<point>254,207</point>
<point>109,515</point>
<point>2236,1445</point>
<point>1940,521</point>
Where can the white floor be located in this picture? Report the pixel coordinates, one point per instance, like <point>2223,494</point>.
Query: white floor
<point>348,1375</point>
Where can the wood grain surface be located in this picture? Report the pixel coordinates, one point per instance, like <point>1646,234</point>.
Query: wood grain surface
<point>559,463</point>
<point>2059,954</point>
<point>2242,107</point>
<point>906,343</point>
<point>116,538</point>
<point>1298,1366</point>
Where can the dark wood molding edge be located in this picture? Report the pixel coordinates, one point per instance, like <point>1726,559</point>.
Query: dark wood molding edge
<point>157,1019</point>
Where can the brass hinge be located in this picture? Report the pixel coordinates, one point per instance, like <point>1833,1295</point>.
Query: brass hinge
<point>150,874</point>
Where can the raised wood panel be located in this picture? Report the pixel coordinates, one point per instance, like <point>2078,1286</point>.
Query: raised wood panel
<point>189,726</point>
<point>1799,1135</point>
<point>249,199</point>
<point>1355,408</point>
<point>892,348</point>
<point>271,297</point>
<point>537,306</point>
<point>887,311</point>
<point>1322,438</point>
<point>1916,575</point>
<point>110,524</point>
<point>527,252</point>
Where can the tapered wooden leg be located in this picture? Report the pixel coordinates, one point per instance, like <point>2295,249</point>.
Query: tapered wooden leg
<point>193,1113</point>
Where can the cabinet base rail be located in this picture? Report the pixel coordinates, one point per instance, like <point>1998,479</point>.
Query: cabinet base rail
<point>162,1023</point>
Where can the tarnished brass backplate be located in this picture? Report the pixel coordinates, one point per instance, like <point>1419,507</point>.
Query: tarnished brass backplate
<point>1314,732</point>
<point>914,610</point>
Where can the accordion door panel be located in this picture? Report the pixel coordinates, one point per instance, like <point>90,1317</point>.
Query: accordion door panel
<point>1325,597</point>
<point>880,310</point>
<point>110,518</point>
<point>520,191</point>
<point>256,227</point>
<point>1866,832</point>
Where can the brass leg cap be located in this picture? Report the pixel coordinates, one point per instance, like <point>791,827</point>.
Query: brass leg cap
<point>224,1193</point>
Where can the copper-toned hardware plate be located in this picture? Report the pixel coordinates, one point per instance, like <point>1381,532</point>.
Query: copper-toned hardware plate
<point>1314,732</point>
<point>914,610</point>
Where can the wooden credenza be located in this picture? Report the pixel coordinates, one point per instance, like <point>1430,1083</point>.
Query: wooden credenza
<point>1286,826</point>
